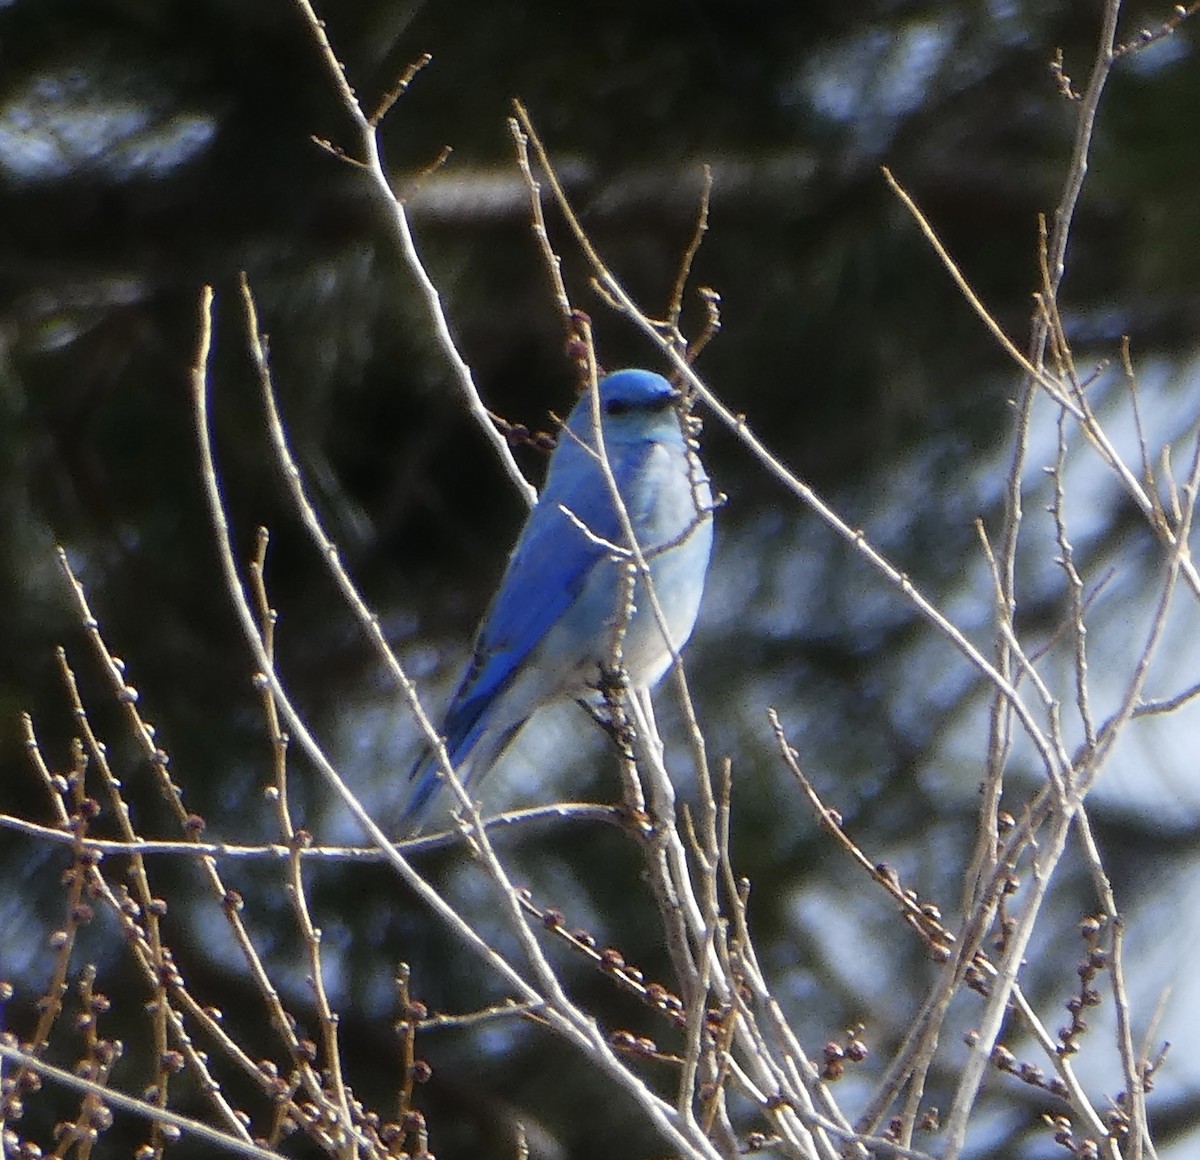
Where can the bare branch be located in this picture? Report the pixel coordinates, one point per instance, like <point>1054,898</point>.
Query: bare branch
<point>372,162</point>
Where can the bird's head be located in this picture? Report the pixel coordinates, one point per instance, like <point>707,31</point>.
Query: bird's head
<point>634,406</point>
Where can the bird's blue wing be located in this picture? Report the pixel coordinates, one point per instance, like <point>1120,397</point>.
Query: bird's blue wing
<point>545,574</point>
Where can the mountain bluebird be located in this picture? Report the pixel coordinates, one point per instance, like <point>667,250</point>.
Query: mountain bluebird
<point>565,604</point>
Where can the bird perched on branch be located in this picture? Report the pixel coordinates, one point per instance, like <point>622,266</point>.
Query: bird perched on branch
<point>573,604</point>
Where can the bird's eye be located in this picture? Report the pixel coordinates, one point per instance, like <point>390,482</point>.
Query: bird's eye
<point>618,407</point>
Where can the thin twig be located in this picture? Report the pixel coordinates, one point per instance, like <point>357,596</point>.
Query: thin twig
<point>675,305</point>
<point>371,163</point>
<point>155,1115</point>
<point>274,852</point>
<point>296,892</point>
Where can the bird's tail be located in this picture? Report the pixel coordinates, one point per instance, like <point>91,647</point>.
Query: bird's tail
<point>472,756</point>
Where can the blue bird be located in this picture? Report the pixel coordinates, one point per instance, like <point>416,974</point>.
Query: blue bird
<point>554,623</point>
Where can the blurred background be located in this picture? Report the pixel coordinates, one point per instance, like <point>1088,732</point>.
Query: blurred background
<point>148,148</point>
